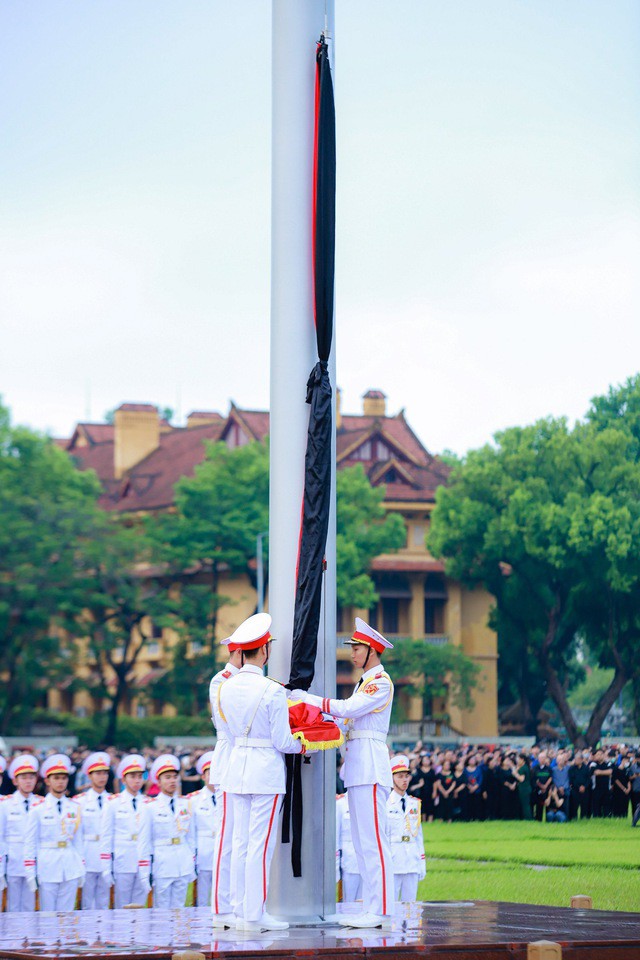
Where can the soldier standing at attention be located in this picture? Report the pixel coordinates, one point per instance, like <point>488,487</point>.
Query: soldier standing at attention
<point>205,811</point>
<point>168,836</point>
<point>95,893</point>
<point>405,833</point>
<point>255,709</point>
<point>223,907</point>
<point>366,772</point>
<point>14,811</point>
<point>346,854</point>
<point>121,849</point>
<point>53,850</point>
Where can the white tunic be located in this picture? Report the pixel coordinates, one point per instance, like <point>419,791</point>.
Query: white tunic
<point>255,708</point>
<point>121,834</point>
<point>206,815</point>
<point>367,710</point>
<point>168,836</point>
<point>93,817</point>
<point>53,850</point>
<point>223,745</point>
<point>404,829</point>
<point>13,827</point>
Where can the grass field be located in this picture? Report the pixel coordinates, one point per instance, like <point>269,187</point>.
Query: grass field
<point>528,862</point>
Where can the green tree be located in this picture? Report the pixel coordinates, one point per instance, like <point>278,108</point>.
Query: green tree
<point>430,670</point>
<point>364,530</point>
<point>47,511</point>
<point>547,520</point>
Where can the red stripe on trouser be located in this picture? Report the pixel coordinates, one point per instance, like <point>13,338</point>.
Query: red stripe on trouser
<point>382,863</point>
<point>264,852</point>
<point>220,842</point>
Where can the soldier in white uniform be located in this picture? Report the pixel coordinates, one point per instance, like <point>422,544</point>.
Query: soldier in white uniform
<point>168,836</point>
<point>205,811</point>
<point>405,833</point>
<point>123,861</point>
<point>366,772</point>
<point>348,862</point>
<point>255,709</point>
<point>223,907</point>
<point>14,811</point>
<point>95,892</point>
<point>53,849</point>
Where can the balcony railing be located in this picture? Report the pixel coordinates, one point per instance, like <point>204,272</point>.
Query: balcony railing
<point>436,639</point>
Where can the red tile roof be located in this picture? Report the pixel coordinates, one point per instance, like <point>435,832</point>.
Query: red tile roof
<point>138,407</point>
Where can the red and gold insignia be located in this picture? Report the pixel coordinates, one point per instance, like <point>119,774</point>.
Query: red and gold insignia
<point>371,688</point>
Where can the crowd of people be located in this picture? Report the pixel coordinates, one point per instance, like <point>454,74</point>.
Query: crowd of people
<point>552,784</point>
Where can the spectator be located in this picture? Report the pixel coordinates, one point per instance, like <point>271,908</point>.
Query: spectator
<point>542,781</point>
<point>580,782</point>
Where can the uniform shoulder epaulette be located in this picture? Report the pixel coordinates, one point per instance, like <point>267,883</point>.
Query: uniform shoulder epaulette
<point>113,796</point>
<point>73,800</point>
<point>149,799</point>
<point>37,801</point>
<point>78,796</point>
<point>226,674</point>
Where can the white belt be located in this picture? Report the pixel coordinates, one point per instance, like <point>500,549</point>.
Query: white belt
<point>252,742</point>
<point>171,842</point>
<point>367,735</point>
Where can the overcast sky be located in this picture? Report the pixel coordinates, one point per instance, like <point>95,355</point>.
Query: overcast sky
<point>488,236</point>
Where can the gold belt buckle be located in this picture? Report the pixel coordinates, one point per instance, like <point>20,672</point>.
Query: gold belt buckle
<point>406,839</point>
<point>134,836</point>
<point>175,840</point>
<point>62,843</point>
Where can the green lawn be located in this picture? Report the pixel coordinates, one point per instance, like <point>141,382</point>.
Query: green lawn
<point>534,862</point>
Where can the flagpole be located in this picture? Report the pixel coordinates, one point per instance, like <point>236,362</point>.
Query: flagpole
<point>297,27</point>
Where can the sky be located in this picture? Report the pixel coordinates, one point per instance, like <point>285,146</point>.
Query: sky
<point>488,221</point>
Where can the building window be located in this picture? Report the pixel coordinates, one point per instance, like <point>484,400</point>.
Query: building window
<point>141,711</point>
<point>153,649</point>
<point>196,646</point>
<point>390,618</point>
<point>419,532</point>
<point>433,616</point>
<point>156,631</point>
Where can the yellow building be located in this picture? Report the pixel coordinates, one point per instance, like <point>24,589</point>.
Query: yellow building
<point>139,458</point>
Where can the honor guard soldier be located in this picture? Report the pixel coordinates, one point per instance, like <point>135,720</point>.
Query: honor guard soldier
<point>222,904</point>
<point>121,849</point>
<point>205,811</point>
<point>351,879</point>
<point>95,893</point>
<point>168,835</point>
<point>366,772</point>
<point>14,810</point>
<point>405,833</point>
<point>255,709</point>
<point>53,850</point>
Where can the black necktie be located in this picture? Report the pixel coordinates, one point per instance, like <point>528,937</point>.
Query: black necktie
<point>26,805</point>
<point>100,800</point>
<point>135,803</point>
<point>403,802</point>
<point>213,799</point>
<point>59,806</point>
<point>171,805</point>
<point>359,684</point>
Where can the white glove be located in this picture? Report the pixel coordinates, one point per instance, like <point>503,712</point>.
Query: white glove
<point>298,695</point>
<point>146,886</point>
<point>108,878</point>
<point>3,884</point>
<point>32,883</point>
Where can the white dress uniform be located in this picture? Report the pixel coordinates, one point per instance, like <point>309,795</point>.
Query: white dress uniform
<point>222,903</point>
<point>367,774</point>
<point>95,892</point>
<point>348,862</point>
<point>14,811</point>
<point>255,709</point>
<point>205,811</point>
<point>121,849</point>
<point>407,846</point>
<point>53,851</point>
<point>168,839</point>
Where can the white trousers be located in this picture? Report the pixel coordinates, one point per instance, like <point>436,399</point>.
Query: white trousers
<point>204,888</point>
<point>95,893</point>
<point>351,887</point>
<point>128,889</point>
<point>19,898</point>
<point>368,812</point>
<point>224,858</point>
<point>254,839</point>
<point>170,892</point>
<point>406,885</point>
<point>58,896</point>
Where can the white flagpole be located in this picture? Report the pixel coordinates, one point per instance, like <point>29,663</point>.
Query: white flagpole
<point>297,25</point>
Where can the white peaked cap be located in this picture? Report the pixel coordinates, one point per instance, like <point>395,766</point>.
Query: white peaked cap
<point>166,763</point>
<point>57,763</point>
<point>363,633</point>
<point>254,632</point>
<point>132,763</point>
<point>23,763</point>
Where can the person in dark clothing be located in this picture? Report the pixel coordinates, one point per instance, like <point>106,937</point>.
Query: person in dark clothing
<point>620,790</point>
<point>601,772</point>
<point>522,773</point>
<point>541,780</point>
<point>493,788</point>
<point>475,800</point>
<point>460,796</point>
<point>426,794</point>
<point>443,788</point>
<point>509,806</point>
<point>580,781</point>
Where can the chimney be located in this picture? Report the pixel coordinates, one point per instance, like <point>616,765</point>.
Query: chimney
<point>374,404</point>
<point>137,434</point>
<point>338,408</point>
<point>200,418</point>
